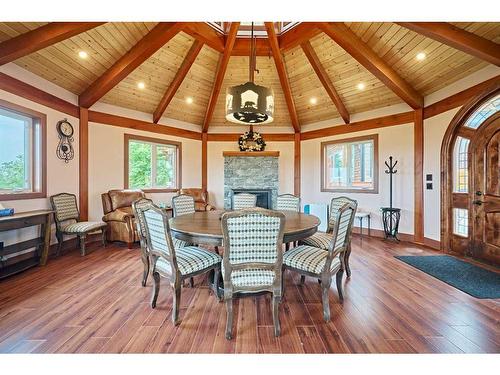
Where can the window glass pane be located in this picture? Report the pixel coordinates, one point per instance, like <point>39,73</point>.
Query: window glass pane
<point>16,140</point>
<point>482,113</point>
<point>460,166</point>
<point>140,163</point>
<point>350,165</point>
<point>461,222</point>
<point>165,166</point>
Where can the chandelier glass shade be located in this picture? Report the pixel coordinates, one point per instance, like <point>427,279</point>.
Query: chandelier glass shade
<point>249,104</point>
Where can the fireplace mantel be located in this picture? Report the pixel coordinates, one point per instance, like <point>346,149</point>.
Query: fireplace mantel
<point>251,153</point>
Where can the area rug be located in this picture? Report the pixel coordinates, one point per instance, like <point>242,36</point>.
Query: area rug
<point>469,278</point>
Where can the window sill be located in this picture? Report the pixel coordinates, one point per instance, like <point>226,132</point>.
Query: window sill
<point>21,196</point>
<point>160,190</point>
<point>371,191</point>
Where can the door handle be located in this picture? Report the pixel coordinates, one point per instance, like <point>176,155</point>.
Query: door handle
<point>477,202</point>
<point>479,193</point>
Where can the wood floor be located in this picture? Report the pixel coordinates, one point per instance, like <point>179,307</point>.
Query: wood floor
<point>96,304</point>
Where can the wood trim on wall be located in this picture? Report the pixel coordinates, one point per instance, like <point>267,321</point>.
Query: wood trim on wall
<point>83,163</point>
<point>128,137</point>
<point>204,161</point>
<point>233,137</point>
<point>418,183</point>
<point>41,118</point>
<point>296,165</point>
<point>374,138</point>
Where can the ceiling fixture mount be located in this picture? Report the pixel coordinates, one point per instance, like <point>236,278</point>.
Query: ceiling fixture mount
<point>250,103</point>
<point>83,54</point>
<point>421,56</point>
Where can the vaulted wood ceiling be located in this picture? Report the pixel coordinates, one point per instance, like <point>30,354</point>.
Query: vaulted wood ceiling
<point>382,56</point>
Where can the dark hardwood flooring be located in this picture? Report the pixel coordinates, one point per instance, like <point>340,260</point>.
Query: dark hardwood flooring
<point>96,304</point>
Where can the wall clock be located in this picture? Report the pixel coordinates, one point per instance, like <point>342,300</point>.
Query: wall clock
<point>65,148</point>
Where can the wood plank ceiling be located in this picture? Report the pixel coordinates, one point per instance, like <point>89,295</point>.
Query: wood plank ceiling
<point>396,45</point>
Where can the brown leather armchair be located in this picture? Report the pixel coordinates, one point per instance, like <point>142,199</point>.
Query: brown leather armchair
<point>118,214</point>
<point>200,198</point>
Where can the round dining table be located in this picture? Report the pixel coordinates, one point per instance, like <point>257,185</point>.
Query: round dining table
<point>205,227</point>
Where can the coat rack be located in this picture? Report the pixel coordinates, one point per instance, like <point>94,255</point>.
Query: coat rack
<point>391,215</point>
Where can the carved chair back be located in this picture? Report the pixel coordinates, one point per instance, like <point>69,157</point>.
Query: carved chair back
<point>183,204</point>
<point>335,205</point>
<point>253,254</point>
<point>244,200</point>
<point>288,202</point>
<point>158,236</point>
<point>65,207</point>
<point>138,207</point>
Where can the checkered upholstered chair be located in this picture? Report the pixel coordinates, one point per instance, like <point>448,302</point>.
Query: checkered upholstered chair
<point>244,200</point>
<point>288,202</point>
<point>67,218</point>
<point>175,264</point>
<point>253,240</point>
<point>182,204</point>
<point>323,239</point>
<point>138,207</point>
<point>318,263</point>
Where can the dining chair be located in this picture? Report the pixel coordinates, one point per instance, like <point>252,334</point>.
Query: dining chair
<point>244,200</point>
<point>288,202</point>
<point>175,264</point>
<point>318,263</point>
<point>138,207</point>
<point>323,239</point>
<point>67,218</point>
<point>253,258</point>
<point>182,204</point>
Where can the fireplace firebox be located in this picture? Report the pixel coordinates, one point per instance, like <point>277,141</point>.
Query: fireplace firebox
<point>264,196</point>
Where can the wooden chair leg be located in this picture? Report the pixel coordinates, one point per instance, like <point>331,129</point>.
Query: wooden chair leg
<point>59,237</point>
<point>325,287</point>
<point>215,286</point>
<point>176,303</point>
<point>191,282</point>
<point>103,237</point>
<point>82,244</point>
<point>276,319</point>
<point>229,319</point>
<point>216,248</point>
<point>339,275</point>
<point>156,288</point>
<point>145,272</point>
<point>302,279</point>
<point>287,246</point>
<point>346,260</point>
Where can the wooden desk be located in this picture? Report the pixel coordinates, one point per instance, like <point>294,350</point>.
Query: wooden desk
<point>23,260</point>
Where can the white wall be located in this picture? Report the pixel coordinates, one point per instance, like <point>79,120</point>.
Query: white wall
<point>106,163</point>
<point>216,167</point>
<point>395,141</point>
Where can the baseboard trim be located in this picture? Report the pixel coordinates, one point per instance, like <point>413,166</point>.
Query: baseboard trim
<point>405,237</point>
<point>433,244</point>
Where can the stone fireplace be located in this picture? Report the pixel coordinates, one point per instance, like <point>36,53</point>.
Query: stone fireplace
<point>254,173</point>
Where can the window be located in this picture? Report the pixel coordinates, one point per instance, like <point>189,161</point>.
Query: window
<point>152,164</point>
<point>482,113</point>
<point>22,152</point>
<point>461,222</point>
<point>460,166</point>
<point>350,165</point>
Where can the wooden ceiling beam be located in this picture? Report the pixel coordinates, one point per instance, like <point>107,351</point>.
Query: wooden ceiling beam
<point>221,72</point>
<point>349,41</point>
<point>42,37</point>
<point>177,81</point>
<point>458,38</point>
<point>144,49</point>
<point>280,67</point>
<point>242,47</point>
<point>206,34</point>
<point>298,35</point>
<point>325,80</point>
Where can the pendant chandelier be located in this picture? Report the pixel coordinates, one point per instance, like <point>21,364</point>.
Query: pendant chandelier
<point>250,103</point>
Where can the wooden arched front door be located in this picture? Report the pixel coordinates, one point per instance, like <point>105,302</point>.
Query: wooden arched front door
<point>470,180</point>
<point>485,206</point>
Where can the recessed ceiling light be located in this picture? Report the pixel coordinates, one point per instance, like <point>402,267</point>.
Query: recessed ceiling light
<point>313,101</point>
<point>189,100</point>
<point>141,85</point>
<point>421,56</point>
<point>361,86</point>
<point>83,54</point>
